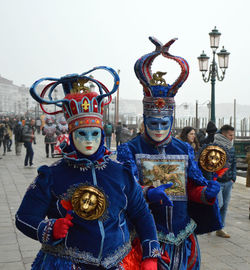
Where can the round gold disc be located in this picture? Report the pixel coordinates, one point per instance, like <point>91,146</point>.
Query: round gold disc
<point>88,202</point>
<point>212,158</point>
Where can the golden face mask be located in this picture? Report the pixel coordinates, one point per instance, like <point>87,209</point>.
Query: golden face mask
<point>212,158</point>
<point>88,202</point>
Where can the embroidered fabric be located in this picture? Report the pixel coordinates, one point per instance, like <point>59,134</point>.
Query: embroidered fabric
<point>86,164</point>
<point>77,256</point>
<point>151,249</point>
<point>182,235</point>
<point>180,160</point>
<point>45,229</point>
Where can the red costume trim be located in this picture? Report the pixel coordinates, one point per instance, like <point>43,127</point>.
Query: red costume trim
<point>193,256</point>
<point>195,193</point>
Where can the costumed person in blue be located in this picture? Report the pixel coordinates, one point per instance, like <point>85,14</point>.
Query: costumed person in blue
<point>182,201</point>
<point>78,207</point>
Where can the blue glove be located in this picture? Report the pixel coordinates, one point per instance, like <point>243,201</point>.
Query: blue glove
<point>213,188</point>
<point>158,195</point>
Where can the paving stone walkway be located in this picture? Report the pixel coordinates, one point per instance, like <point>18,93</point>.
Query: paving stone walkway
<point>18,251</point>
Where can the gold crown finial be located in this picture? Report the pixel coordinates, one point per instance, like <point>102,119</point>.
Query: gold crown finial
<point>157,79</point>
<point>79,86</point>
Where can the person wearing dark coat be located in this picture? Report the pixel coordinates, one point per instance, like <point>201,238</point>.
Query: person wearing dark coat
<point>210,130</point>
<point>28,135</point>
<point>18,129</point>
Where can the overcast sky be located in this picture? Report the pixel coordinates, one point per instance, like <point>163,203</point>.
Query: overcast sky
<point>58,37</point>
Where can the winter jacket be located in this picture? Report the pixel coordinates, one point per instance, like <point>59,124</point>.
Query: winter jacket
<point>18,130</point>
<point>3,131</point>
<point>224,142</point>
<point>28,132</point>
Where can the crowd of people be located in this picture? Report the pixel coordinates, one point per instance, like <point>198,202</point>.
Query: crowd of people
<point>24,131</point>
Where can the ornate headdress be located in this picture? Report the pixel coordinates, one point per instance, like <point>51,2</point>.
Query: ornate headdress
<point>158,95</point>
<point>81,107</point>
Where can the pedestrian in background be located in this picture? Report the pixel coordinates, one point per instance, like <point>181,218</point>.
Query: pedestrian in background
<point>9,128</point>
<point>38,125</point>
<point>108,131</point>
<point>50,132</point>
<point>188,135</point>
<point>18,130</point>
<point>118,131</point>
<point>28,135</point>
<point>125,134</point>
<point>225,139</point>
<point>210,130</point>
<point>201,135</point>
<point>3,137</point>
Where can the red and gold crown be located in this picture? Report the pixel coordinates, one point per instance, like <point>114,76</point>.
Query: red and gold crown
<point>81,107</point>
<point>159,95</point>
<point>83,110</point>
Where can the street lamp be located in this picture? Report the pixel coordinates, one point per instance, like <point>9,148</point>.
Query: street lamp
<point>223,57</point>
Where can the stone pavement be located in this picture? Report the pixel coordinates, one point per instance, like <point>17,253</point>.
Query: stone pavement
<point>17,251</point>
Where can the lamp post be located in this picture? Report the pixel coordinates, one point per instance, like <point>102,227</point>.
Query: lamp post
<point>223,57</point>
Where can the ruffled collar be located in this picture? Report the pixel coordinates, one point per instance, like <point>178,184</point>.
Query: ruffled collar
<point>85,164</point>
<point>77,160</point>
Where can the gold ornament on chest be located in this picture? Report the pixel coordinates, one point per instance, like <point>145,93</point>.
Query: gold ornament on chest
<point>88,202</point>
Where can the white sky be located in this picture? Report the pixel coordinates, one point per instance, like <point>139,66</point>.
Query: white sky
<point>56,37</point>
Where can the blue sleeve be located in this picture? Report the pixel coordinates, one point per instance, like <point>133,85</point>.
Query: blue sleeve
<point>194,171</point>
<point>141,218</point>
<point>30,217</point>
<point>125,156</point>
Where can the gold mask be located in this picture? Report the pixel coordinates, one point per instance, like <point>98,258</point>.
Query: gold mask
<point>88,202</point>
<point>212,158</point>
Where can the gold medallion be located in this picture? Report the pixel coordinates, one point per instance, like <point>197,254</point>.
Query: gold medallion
<point>88,202</point>
<point>212,158</point>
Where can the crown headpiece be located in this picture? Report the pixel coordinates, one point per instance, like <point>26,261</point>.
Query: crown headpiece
<point>81,107</point>
<point>158,95</point>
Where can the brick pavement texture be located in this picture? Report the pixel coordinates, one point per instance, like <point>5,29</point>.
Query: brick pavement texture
<point>18,251</point>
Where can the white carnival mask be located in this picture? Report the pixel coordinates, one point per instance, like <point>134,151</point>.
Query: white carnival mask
<point>158,128</point>
<point>87,140</point>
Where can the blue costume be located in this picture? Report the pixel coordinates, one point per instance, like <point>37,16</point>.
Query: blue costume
<point>187,206</point>
<point>97,194</point>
